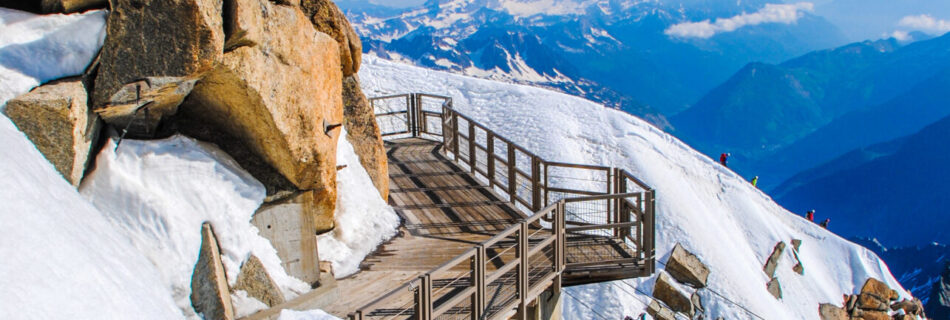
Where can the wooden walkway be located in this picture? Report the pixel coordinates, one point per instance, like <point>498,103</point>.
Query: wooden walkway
<point>445,213</point>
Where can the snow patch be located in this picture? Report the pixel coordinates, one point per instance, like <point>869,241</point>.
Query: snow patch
<point>159,192</point>
<point>363,219</point>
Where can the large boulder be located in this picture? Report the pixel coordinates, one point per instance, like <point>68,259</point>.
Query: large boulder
<point>665,291</point>
<point>156,38</point>
<point>328,18</point>
<point>288,224</point>
<point>210,294</point>
<point>868,301</point>
<point>775,288</point>
<point>280,98</point>
<point>879,289</point>
<point>660,312</point>
<point>363,133</point>
<point>257,283</point>
<point>71,6</point>
<point>686,268</point>
<point>140,106</point>
<point>57,120</point>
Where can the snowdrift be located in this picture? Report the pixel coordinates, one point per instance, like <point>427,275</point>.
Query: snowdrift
<point>710,210</point>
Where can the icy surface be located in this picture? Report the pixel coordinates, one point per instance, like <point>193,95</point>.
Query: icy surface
<point>61,259</point>
<point>159,192</point>
<point>363,219</point>
<point>35,49</point>
<point>713,212</point>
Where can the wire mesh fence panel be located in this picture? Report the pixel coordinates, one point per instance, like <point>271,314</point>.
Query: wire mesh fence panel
<point>433,125</point>
<point>523,189</point>
<point>588,213</point>
<point>391,124</point>
<point>431,103</point>
<point>459,311</point>
<point>448,286</point>
<point>404,309</point>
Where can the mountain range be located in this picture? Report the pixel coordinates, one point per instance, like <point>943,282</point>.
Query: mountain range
<point>616,52</point>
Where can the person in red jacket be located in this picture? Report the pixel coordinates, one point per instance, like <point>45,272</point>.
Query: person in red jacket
<point>810,215</point>
<point>723,158</point>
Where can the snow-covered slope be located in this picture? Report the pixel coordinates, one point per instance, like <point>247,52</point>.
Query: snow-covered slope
<point>713,212</point>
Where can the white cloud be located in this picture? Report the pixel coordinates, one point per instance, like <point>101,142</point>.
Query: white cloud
<point>772,13</point>
<point>926,23</point>
<point>902,36</point>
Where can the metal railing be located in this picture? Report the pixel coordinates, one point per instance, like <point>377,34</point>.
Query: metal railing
<point>573,207</point>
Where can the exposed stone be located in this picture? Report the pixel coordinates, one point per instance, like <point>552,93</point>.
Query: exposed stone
<point>243,24</point>
<point>665,291</point>
<point>938,306</point>
<point>772,263</point>
<point>288,224</point>
<point>363,133</point>
<point>871,315</point>
<point>697,303</point>
<point>798,267</point>
<point>775,288</point>
<point>257,283</point>
<point>879,289</point>
<point>210,295</point>
<point>140,106</point>
<point>157,38</point>
<point>328,18</point>
<point>868,301</point>
<point>831,312</point>
<point>277,99</point>
<point>71,6</point>
<point>796,244</point>
<point>904,317</point>
<point>57,120</point>
<point>913,307</point>
<point>660,312</point>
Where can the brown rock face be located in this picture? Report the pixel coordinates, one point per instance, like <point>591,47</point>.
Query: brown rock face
<point>70,6</point>
<point>140,106</point>
<point>832,312</point>
<point>772,263</point>
<point>257,283</point>
<point>775,288</point>
<point>328,18</point>
<point>868,301</point>
<point>57,120</point>
<point>659,312</point>
<point>157,38</point>
<point>669,294</point>
<point>879,289</point>
<point>685,267</point>
<point>209,285</point>
<point>363,133</point>
<point>278,97</point>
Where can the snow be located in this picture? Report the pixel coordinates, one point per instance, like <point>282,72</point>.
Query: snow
<point>363,219</point>
<point>61,258</point>
<point>306,315</point>
<point>710,210</point>
<point>38,48</point>
<point>159,192</point>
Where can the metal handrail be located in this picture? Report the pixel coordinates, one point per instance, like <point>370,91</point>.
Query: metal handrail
<point>621,214</point>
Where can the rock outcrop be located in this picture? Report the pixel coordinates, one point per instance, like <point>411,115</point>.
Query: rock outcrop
<point>257,283</point>
<point>938,305</point>
<point>686,268</point>
<point>660,312</point>
<point>363,133</point>
<point>327,18</point>
<point>152,38</point>
<point>665,291</point>
<point>875,301</point>
<point>775,288</point>
<point>279,97</point>
<point>56,118</point>
<point>71,6</point>
<point>210,294</point>
<point>772,263</point>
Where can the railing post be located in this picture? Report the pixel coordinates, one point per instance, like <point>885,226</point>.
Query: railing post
<point>546,185</point>
<point>472,151</point>
<point>411,114</point>
<point>423,298</point>
<point>478,280</point>
<point>535,183</point>
<point>455,135</point>
<point>560,226</point>
<point>650,230</point>
<point>512,174</point>
<point>420,116</point>
<point>523,271</point>
<point>491,158</point>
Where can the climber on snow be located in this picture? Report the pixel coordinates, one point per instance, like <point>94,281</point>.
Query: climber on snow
<point>810,215</point>
<point>723,158</point>
<point>824,224</point>
<point>755,181</point>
